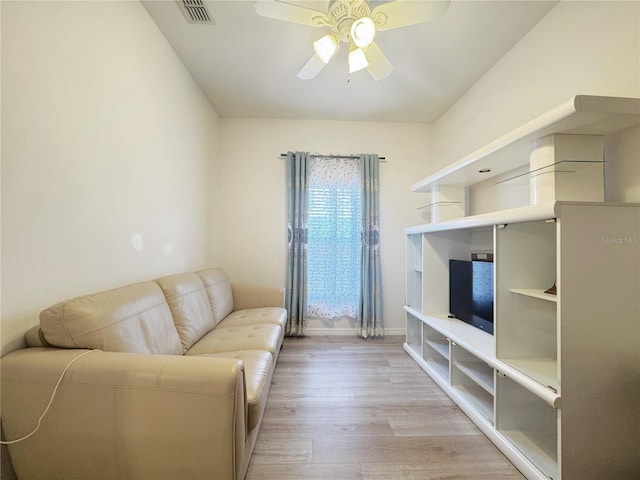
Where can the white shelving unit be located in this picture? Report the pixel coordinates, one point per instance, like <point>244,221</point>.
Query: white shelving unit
<point>556,387</point>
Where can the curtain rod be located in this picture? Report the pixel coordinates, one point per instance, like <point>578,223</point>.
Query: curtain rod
<point>316,155</point>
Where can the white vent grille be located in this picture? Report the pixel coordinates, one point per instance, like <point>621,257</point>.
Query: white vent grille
<point>195,11</point>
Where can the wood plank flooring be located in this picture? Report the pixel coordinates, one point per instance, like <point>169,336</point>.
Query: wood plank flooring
<point>344,408</point>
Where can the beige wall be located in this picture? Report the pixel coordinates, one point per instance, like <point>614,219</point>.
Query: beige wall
<point>253,195</point>
<point>107,150</point>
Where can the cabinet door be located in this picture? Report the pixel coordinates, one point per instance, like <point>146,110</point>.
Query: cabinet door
<point>529,423</point>
<point>414,334</point>
<point>526,322</point>
<point>436,350</point>
<point>473,378</point>
<point>414,271</point>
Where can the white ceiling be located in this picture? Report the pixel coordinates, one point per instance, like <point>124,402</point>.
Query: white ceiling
<point>246,64</point>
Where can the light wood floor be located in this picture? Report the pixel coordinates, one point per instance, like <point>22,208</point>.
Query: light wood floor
<point>343,408</point>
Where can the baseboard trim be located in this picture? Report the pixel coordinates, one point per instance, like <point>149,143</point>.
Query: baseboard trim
<point>327,332</point>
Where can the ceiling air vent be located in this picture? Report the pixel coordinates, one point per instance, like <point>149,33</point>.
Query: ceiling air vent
<point>195,11</point>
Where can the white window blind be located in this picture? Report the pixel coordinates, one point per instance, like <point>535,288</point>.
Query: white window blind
<point>333,271</point>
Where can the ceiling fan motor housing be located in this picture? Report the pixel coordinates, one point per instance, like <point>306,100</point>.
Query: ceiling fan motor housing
<point>344,12</point>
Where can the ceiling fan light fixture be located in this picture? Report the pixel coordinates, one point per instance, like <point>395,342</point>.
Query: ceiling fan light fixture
<point>363,31</point>
<point>325,47</point>
<point>357,60</point>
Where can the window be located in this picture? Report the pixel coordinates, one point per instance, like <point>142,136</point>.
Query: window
<point>333,272</point>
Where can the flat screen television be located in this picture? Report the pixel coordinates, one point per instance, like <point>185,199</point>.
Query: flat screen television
<point>471,293</point>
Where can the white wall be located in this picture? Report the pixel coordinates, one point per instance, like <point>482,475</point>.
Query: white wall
<point>590,47</point>
<point>253,195</point>
<point>107,149</point>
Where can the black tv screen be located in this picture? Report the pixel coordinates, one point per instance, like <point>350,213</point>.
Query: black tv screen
<point>471,293</point>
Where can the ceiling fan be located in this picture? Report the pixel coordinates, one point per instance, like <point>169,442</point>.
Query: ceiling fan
<point>354,23</point>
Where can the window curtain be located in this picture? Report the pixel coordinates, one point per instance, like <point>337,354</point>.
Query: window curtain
<point>297,239</point>
<point>369,321</point>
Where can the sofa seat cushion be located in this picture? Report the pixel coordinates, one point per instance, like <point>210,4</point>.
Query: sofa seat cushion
<point>258,369</point>
<point>256,316</point>
<point>134,319</point>
<point>264,337</point>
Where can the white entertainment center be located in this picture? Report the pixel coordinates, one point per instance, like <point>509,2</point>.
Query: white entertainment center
<point>556,387</point>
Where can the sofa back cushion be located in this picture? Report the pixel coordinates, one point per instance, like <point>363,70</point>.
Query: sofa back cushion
<point>189,304</point>
<point>134,319</point>
<point>219,291</point>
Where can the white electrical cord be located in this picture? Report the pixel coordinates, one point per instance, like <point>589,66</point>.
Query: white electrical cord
<point>53,394</point>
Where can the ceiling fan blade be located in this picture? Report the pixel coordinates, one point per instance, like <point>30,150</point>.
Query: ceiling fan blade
<point>291,13</point>
<point>379,67</point>
<point>402,13</point>
<point>311,69</point>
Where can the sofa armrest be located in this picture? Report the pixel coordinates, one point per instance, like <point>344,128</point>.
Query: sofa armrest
<point>254,296</point>
<point>35,338</point>
<point>124,415</point>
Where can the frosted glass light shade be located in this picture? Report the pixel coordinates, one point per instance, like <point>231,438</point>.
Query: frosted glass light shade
<point>357,60</point>
<point>363,31</point>
<point>325,47</point>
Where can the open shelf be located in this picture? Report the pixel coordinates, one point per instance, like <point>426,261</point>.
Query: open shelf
<point>483,377</point>
<point>439,204</point>
<point>475,341</point>
<point>582,114</point>
<point>441,347</point>
<point>564,166</point>
<point>487,220</point>
<point>535,293</point>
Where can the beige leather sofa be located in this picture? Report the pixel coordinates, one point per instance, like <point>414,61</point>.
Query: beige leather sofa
<point>177,391</point>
